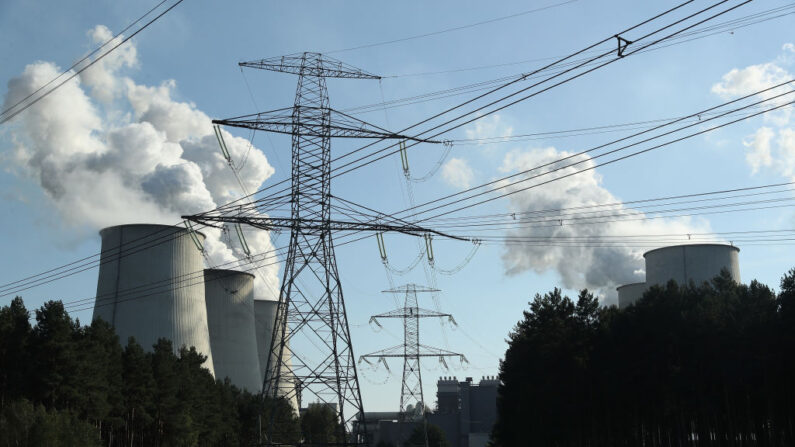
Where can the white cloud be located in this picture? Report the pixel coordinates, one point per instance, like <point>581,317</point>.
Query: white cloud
<point>580,265</point>
<point>102,165</point>
<point>761,153</point>
<point>457,173</point>
<point>489,127</point>
<point>758,153</point>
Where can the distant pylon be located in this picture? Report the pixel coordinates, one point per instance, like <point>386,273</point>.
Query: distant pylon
<point>411,351</point>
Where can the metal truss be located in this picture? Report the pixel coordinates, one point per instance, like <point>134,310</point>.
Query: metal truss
<point>411,351</point>
<point>311,356</point>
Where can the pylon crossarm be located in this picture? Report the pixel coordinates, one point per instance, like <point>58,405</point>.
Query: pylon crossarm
<point>309,225</point>
<point>410,312</point>
<point>341,125</point>
<point>310,64</point>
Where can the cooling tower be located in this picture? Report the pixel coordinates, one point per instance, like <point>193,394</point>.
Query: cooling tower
<point>230,317</point>
<point>151,286</point>
<point>685,263</point>
<point>629,293</point>
<point>265,317</point>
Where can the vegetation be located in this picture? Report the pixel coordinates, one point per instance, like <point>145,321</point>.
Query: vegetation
<point>436,436</point>
<point>685,366</point>
<point>62,384</point>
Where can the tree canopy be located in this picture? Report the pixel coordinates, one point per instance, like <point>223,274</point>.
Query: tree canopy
<point>708,364</point>
<point>63,384</point>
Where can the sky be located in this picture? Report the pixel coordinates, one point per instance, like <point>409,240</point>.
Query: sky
<point>129,141</point>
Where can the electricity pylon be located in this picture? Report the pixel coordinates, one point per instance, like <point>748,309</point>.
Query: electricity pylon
<point>411,351</point>
<point>311,306</point>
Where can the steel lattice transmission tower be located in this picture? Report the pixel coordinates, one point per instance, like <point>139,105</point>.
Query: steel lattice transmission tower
<point>311,302</point>
<point>411,351</point>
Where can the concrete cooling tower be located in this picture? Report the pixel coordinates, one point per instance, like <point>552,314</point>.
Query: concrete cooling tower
<point>685,263</point>
<point>151,286</point>
<point>265,317</point>
<point>629,293</point>
<point>682,263</point>
<point>230,316</point>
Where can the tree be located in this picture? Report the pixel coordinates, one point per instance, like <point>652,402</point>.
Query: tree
<point>436,437</point>
<point>15,357</point>
<point>320,425</point>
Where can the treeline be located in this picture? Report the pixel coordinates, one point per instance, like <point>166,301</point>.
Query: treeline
<point>696,365</point>
<point>63,384</point>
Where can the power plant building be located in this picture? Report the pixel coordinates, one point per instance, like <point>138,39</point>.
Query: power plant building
<point>230,316</point>
<point>682,263</point>
<point>151,286</point>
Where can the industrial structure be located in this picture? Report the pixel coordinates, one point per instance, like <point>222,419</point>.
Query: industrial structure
<point>265,322</point>
<point>233,338</point>
<point>682,263</point>
<point>465,411</point>
<point>151,286</point>
<point>412,401</point>
<point>311,299</point>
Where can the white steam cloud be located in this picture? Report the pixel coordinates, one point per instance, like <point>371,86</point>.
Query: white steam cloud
<point>580,264</point>
<point>109,151</point>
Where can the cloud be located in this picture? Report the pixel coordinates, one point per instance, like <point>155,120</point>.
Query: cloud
<point>761,153</point>
<point>106,151</point>
<point>457,173</point>
<point>758,154</point>
<point>579,264</point>
<point>489,127</point>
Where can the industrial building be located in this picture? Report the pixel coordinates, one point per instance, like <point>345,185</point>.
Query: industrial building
<point>152,284</point>
<point>465,411</point>
<point>230,316</point>
<point>682,263</point>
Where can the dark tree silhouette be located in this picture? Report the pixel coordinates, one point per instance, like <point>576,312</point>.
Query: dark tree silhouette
<point>708,364</point>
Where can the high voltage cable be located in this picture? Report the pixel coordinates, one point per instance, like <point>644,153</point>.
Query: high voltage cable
<point>448,30</point>
<point>263,200</point>
<point>455,91</point>
<point>115,36</point>
<point>601,146</point>
<point>560,61</point>
<point>590,167</point>
<point>271,253</point>
<point>8,117</point>
<point>533,94</point>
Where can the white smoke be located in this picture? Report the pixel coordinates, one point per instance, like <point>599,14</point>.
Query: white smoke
<point>109,151</point>
<point>579,263</point>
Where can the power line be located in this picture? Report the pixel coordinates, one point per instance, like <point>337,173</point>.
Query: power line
<point>560,61</point>
<point>449,30</point>
<point>10,116</point>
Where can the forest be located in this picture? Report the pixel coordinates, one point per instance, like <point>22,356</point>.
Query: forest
<point>691,365</point>
<point>63,384</point>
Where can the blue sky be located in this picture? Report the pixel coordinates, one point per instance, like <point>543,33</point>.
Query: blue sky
<point>186,63</point>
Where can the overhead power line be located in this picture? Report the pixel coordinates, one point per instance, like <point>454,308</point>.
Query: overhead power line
<point>30,100</point>
<point>506,85</point>
<point>450,30</point>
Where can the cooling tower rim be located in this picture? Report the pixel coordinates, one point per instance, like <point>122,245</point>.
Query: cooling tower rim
<point>631,284</point>
<point>230,271</point>
<point>692,245</point>
<point>162,226</point>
